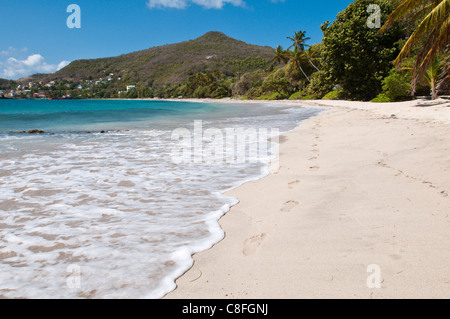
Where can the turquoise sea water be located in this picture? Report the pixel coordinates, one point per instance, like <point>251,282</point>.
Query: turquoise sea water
<point>79,115</point>
<point>112,215</point>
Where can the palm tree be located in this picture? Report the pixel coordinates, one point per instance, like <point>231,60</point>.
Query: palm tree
<point>281,56</point>
<point>432,76</point>
<point>431,34</point>
<point>444,78</point>
<point>309,57</point>
<point>299,42</point>
<point>297,58</point>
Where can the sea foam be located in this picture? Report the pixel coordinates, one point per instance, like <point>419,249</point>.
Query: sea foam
<point>114,206</point>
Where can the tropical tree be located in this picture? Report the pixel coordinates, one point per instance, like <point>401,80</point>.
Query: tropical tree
<point>430,38</point>
<point>356,57</point>
<point>281,56</point>
<point>444,79</point>
<point>310,57</point>
<point>297,57</point>
<point>432,76</point>
<point>299,41</point>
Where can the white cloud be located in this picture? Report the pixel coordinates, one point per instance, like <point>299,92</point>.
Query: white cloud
<point>14,68</point>
<point>182,4</point>
<point>62,65</point>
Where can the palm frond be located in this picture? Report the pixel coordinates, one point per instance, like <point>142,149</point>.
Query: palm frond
<point>406,8</point>
<point>437,21</point>
<point>434,45</point>
<point>444,78</point>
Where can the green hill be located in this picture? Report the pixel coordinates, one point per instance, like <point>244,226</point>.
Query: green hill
<point>170,64</point>
<point>7,84</point>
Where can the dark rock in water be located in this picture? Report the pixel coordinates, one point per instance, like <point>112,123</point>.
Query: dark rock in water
<point>103,132</point>
<point>21,132</point>
<point>35,132</point>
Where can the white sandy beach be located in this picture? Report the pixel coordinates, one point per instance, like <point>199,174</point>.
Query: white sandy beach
<point>361,184</point>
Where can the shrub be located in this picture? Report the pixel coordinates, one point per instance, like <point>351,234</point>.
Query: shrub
<point>277,82</point>
<point>297,95</point>
<point>247,82</point>
<point>396,86</point>
<point>220,93</point>
<point>333,95</point>
<point>319,85</point>
<point>381,98</point>
<point>301,95</point>
<point>272,96</point>
<point>254,92</point>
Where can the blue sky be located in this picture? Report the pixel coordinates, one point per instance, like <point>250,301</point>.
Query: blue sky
<point>35,36</point>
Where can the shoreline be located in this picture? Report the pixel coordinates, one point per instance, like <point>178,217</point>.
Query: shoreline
<point>353,190</point>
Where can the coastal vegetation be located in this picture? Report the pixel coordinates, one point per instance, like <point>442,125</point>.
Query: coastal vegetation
<point>407,55</point>
<point>428,44</point>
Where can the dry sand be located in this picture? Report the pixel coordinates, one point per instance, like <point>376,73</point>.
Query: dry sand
<point>357,186</point>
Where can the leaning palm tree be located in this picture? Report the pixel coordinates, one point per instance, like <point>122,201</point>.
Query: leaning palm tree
<point>310,57</point>
<point>430,37</point>
<point>281,56</point>
<point>297,58</point>
<point>299,42</point>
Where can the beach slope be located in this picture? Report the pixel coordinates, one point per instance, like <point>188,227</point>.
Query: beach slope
<point>362,193</point>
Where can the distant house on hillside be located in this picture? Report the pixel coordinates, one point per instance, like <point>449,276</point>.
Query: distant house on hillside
<point>130,87</point>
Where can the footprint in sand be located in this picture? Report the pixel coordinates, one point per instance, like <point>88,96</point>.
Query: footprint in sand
<point>314,168</point>
<point>289,205</point>
<point>251,244</point>
<point>314,158</point>
<point>293,184</point>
